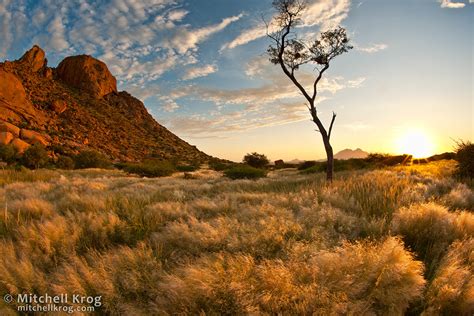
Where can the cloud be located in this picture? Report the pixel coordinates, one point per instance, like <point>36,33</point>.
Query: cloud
<point>197,72</point>
<point>452,5</point>
<point>372,48</point>
<point>274,102</point>
<point>185,39</point>
<point>323,13</point>
<point>177,15</point>
<point>57,39</point>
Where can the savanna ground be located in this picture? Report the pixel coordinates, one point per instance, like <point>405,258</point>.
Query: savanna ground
<point>382,242</point>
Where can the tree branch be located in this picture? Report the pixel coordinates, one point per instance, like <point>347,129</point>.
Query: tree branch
<point>315,85</point>
<point>332,123</point>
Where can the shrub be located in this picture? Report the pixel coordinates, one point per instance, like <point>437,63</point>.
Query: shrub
<point>91,159</point>
<point>7,153</point>
<point>35,156</point>
<point>256,160</point>
<point>65,162</point>
<point>245,172</point>
<point>465,158</point>
<point>339,165</point>
<point>187,168</point>
<point>150,168</point>
<point>307,164</point>
<point>220,166</point>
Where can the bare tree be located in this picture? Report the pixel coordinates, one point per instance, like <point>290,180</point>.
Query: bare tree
<point>291,53</point>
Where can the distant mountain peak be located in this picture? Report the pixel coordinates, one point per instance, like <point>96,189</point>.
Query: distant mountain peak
<point>349,154</point>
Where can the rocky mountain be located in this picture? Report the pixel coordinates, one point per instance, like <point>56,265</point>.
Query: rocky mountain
<point>349,154</point>
<point>77,106</point>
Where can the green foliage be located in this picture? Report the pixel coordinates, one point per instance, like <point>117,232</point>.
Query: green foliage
<point>220,166</point>
<point>465,158</point>
<point>65,162</point>
<point>91,159</point>
<point>35,157</point>
<point>256,160</point>
<point>339,165</point>
<point>186,168</point>
<point>307,164</point>
<point>245,172</point>
<point>150,168</point>
<point>7,153</point>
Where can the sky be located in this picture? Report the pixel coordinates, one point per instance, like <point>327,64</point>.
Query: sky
<point>201,69</point>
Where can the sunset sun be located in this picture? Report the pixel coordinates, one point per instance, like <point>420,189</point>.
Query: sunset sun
<point>415,142</point>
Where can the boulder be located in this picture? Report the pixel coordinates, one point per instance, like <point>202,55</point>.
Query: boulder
<point>20,145</point>
<point>35,58</point>
<point>87,73</point>
<point>10,128</point>
<point>6,138</point>
<point>59,106</point>
<point>33,137</point>
<point>14,103</point>
<point>48,73</point>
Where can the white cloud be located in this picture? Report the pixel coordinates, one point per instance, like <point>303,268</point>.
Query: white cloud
<point>371,48</point>
<point>185,39</point>
<point>177,15</point>
<point>197,72</point>
<point>452,5</point>
<point>274,102</point>
<point>324,13</point>
<point>245,37</point>
<point>57,40</point>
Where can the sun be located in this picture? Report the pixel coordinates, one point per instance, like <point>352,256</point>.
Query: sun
<point>416,143</point>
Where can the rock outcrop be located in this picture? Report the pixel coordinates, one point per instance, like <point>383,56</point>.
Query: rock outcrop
<point>87,73</point>
<point>33,137</point>
<point>6,138</point>
<point>75,107</point>
<point>10,128</point>
<point>14,103</point>
<point>20,145</point>
<point>35,58</point>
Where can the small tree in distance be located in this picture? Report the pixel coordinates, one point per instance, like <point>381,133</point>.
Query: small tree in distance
<point>256,160</point>
<point>291,53</point>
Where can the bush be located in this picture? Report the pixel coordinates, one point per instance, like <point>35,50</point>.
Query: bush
<point>150,168</point>
<point>35,156</point>
<point>91,159</point>
<point>7,153</point>
<point>65,162</point>
<point>187,168</point>
<point>220,166</point>
<point>307,164</point>
<point>256,160</point>
<point>245,172</point>
<point>339,165</point>
<point>465,158</point>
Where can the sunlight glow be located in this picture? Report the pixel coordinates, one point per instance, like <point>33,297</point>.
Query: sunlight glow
<point>416,143</point>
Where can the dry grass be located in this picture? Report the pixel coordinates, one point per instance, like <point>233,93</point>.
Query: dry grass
<point>377,242</point>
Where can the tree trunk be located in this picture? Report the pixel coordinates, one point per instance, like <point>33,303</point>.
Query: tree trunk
<point>330,159</point>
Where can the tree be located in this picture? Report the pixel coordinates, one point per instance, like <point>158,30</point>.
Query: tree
<point>91,159</point>
<point>256,160</point>
<point>35,156</point>
<point>7,153</point>
<point>291,53</point>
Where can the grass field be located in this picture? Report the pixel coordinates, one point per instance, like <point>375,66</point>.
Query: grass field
<point>382,242</point>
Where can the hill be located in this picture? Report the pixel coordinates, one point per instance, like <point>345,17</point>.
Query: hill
<point>77,106</point>
<point>349,154</point>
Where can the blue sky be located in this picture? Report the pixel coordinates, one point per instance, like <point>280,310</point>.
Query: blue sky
<point>200,68</point>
